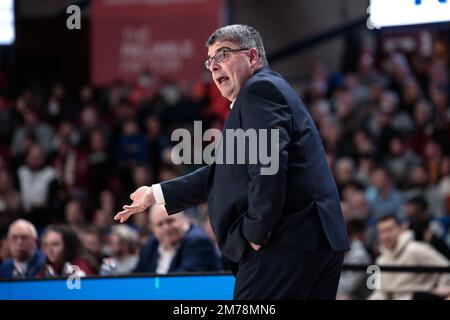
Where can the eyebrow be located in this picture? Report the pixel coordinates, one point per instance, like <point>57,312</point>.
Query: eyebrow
<point>220,49</point>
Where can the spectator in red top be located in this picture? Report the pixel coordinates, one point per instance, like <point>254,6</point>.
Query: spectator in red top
<point>64,254</point>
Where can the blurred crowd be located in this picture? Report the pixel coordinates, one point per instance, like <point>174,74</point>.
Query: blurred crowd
<point>68,165</point>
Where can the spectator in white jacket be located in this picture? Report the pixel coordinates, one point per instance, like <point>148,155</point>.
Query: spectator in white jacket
<point>398,248</point>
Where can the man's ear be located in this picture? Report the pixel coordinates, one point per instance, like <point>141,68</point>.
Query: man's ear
<point>254,56</point>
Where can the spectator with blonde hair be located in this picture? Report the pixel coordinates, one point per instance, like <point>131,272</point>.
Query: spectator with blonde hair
<point>123,243</point>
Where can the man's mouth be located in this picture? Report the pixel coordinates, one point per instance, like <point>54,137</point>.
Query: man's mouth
<point>221,80</point>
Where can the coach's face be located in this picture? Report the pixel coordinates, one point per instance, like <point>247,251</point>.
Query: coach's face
<point>231,69</point>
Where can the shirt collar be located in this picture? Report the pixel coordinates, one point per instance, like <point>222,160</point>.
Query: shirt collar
<point>168,252</point>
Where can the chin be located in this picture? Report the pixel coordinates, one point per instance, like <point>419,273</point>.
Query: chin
<point>226,96</point>
<point>223,94</point>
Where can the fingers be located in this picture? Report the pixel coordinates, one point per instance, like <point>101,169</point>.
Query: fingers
<point>120,214</point>
<point>138,205</point>
<point>133,207</point>
<point>255,246</point>
<point>127,212</point>
<point>123,215</point>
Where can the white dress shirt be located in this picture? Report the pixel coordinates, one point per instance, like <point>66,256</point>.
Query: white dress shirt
<point>165,259</point>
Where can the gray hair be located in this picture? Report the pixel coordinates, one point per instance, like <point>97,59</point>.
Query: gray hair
<point>26,224</point>
<point>242,35</point>
<point>127,235</point>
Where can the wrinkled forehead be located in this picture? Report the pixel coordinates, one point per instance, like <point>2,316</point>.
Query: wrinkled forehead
<point>20,230</point>
<point>220,45</point>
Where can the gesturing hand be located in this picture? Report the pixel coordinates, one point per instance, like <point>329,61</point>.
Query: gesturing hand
<point>142,199</point>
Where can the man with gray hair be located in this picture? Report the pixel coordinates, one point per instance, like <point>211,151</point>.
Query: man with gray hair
<point>177,245</point>
<point>26,259</point>
<point>283,232</point>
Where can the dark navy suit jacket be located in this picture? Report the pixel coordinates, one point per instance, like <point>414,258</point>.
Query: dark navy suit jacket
<point>292,207</point>
<point>196,253</point>
<point>34,266</point>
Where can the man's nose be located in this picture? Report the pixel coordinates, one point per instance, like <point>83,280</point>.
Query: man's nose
<point>214,65</point>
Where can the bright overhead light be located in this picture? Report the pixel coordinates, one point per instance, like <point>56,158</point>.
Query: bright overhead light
<point>389,13</point>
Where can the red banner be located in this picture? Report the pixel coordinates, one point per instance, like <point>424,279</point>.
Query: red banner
<point>166,37</point>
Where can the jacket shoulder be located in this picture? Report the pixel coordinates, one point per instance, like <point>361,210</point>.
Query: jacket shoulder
<point>265,88</point>
<point>268,79</point>
<point>6,267</point>
<point>196,234</point>
<point>150,245</point>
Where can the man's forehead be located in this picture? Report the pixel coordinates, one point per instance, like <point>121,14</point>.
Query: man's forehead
<point>387,224</point>
<point>160,216</point>
<point>218,45</point>
<point>20,230</point>
<point>20,234</point>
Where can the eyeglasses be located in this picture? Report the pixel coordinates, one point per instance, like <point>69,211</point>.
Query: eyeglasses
<point>17,237</point>
<point>221,56</point>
